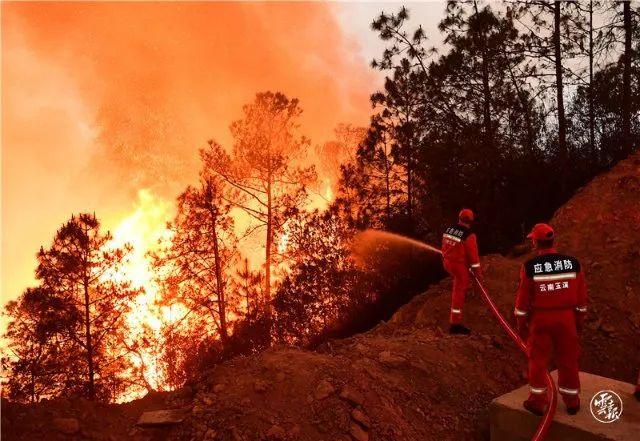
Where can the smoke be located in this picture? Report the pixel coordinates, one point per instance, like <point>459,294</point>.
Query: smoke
<point>101,100</point>
<point>157,79</point>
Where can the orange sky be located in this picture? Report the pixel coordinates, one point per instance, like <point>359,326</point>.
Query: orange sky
<point>101,100</point>
<point>104,105</point>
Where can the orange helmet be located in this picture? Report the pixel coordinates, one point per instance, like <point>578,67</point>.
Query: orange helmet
<point>541,232</point>
<point>465,215</point>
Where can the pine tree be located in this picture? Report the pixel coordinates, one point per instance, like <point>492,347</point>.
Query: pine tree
<point>82,272</point>
<point>262,173</point>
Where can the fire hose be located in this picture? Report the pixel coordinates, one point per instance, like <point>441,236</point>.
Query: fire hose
<point>545,423</point>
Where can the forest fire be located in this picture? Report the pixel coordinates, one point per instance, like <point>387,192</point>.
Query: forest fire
<point>236,230</point>
<point>153,310</point>
<point>144,230</point>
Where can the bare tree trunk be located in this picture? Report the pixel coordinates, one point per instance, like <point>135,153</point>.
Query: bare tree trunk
<point>626,80</point>
<point>246,285</point>
<point>87,327</point>
<point>268,245</point>
<point>387,182</point>
<point>486,92</point>
<point>222,304</point>
<point>488,130</point>
<point>409,167</point>
<point>562,127</point>
<point>592,142</point>
<point>33,387</point>
<point>410,186</point>
<point>524,105</point>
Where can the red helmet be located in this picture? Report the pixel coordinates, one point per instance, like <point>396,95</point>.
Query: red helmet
<point>465,215</point>
<point>541,232</point>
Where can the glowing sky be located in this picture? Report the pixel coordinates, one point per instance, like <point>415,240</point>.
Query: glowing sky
<point>101,101</point>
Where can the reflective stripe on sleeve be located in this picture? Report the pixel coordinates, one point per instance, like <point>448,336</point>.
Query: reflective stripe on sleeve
<point>520,313</point>
<point>456,311</point>
<point>475,265</point>
<point>537,390</point>
<point>581,308</point>
<point>564,390</point>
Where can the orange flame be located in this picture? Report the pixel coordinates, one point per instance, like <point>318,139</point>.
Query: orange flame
<point>144,229</point>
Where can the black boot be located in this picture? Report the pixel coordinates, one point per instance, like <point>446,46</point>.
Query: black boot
<point>637,394</point>
<point>573,410</point>
<point>459,329</point>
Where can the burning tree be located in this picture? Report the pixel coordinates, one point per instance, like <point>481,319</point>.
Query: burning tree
<point>323,287</point>
<point>248,286</point>
<point>262,174</point>
<point>342,149</point>
<point>69,331</point>
<point>193,267</point>
<point>201,250</point>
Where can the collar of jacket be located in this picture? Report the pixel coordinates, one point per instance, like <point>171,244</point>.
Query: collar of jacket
<point>551,250</point>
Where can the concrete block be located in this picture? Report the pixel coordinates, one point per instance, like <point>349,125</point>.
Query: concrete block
<point>511,422</point>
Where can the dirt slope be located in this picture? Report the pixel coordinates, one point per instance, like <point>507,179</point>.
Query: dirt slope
<point>405,379</point>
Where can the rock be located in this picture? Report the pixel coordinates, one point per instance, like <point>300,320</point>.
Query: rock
<point>197,409</point>
<point>358,433</point>
<point>161,417</point>
<point>281,376</point>
<point>352,396</point>
<point>276,432</point>
<point>218,388</point>
<point>360,348</point>
<point>389,359</point>
<point>260,386</point>
<point>210,435</point>
<point>68,426</point>
<point>323,390</point>
<point>360,417</point>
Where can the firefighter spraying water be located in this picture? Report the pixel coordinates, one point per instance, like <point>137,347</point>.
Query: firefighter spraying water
<point>459,254</point>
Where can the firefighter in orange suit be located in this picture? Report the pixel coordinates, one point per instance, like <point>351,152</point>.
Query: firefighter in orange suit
<point>459,253</point>
<point>550,308</point>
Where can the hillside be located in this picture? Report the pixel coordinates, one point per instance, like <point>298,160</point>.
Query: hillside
<point>405,379</point>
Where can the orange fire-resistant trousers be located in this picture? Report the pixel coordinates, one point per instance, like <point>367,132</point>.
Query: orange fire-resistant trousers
<point>461,280</point>
<point>554,331</point>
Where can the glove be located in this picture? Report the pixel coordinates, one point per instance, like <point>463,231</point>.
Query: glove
<point>523,328</point>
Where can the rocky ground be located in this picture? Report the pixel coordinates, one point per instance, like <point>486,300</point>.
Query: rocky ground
<point>405,379</point>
